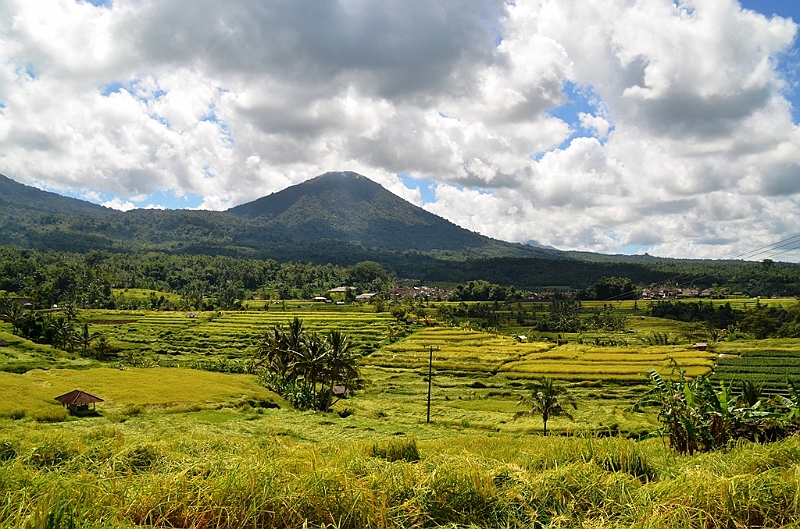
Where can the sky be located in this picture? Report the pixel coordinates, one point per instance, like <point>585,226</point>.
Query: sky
<point>613,126</point>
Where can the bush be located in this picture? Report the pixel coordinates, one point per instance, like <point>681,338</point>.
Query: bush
<point>7,450</point>
<point>402,450</point>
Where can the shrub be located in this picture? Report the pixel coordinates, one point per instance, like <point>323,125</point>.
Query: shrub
<point>7,450</point>
<point>401,450</point>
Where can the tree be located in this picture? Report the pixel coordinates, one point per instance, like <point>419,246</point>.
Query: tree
<point>304,368</point>
<point>85,338</point>
<point>547,400</point>
<point>13,313</point>
<point>341,368</point>
<point>310,364</point>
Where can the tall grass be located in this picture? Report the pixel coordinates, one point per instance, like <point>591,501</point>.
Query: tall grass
<point>109,477</point>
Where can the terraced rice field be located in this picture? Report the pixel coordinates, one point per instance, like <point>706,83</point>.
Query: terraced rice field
<point>467,351</point>
<point>182,337</point>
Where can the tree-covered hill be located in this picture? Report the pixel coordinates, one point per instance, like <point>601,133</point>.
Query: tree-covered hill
<point>337,217</point>
<point>343,219</point>
<point>346,206</point>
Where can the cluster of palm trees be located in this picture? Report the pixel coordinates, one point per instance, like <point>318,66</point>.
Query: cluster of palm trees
<point>57,327</point>
<point>306,367</point>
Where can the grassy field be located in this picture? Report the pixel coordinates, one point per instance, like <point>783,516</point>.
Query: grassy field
<point>207,470</point>
<point>483,354</point>
<point>768,362</point>
<point>178,447</point>
<point>127,390</point>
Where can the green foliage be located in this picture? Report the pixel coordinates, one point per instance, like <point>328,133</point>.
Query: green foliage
<point>7,450</point>
<point>547,400</point>
<point>658,338</point>
<point>564,316</point>
<point>698,417</point>
<point>611,288</point>
<point>608,319</point>
<point>305,367</point>
<point>717,316</point>
<point>397,450</point>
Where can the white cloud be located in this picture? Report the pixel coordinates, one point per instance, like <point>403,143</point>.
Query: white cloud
<point>117,203</point>
<point>693,148</point>
<point>598,124</point>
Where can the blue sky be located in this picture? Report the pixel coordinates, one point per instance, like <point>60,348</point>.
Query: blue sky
<point>790,63</point>
<point>600,125</point>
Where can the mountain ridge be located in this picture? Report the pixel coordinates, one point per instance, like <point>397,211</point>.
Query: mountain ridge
<point>353,207</point>
<point>340,209</point>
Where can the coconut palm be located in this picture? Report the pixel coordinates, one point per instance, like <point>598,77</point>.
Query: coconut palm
<point>13,313</point>
<point>273,353</point>
<point>341,368</point>
<point>547,400</point>
<point>311,362</point>
<point>85,338</point>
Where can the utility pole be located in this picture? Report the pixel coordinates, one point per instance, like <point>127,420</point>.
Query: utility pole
<point>430,375</point>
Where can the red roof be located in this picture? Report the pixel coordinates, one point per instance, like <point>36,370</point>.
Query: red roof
<point>77,396</point>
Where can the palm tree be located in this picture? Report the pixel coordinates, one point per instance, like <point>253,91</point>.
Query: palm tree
<point>103,347</point>
<point>547,400</point>
<point>85,338</point>
<point>62,333</point>
<point>273,352</point>
<point>311,362</point>
<point>13,313</point>
<point>342,368</point>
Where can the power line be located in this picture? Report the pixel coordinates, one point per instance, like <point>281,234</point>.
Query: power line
<point>679,279</point>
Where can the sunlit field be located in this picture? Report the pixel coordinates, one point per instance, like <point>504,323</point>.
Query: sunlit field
<point>176,445</point>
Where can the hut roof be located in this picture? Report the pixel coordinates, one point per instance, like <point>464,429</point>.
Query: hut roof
<point>77,396</point>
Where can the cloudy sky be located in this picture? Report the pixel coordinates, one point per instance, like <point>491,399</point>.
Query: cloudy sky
<point>615,126</point>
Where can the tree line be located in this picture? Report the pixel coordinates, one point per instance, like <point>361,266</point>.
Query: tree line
<point>760,320</point>
<point>202,282</point>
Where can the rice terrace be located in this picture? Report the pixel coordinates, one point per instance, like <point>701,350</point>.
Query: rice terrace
<point>194,430</point>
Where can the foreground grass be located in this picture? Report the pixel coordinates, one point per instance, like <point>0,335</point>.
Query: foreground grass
<point>183,473</point>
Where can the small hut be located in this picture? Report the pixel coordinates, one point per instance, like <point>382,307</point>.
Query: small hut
<point>79,402</point>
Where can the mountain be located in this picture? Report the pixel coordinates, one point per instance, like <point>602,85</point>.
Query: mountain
<point>346,206</point>
<point>14,195</point>
<point>343,218</point>
<point>338,217</point>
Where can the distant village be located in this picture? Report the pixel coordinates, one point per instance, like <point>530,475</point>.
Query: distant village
<point>426,293</point>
